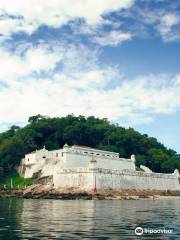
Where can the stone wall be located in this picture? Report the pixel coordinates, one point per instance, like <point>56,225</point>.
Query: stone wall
<point>75,160</point>
<point>80,178</point>
<point>136,180</point>
<point>44,180</point>
<point>87,179</point>
<point>42,160</point>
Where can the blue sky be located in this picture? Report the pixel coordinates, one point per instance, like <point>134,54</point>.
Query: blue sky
<point>115,59</point>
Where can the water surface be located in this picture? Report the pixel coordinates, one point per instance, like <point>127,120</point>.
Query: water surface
<point>82,219</point>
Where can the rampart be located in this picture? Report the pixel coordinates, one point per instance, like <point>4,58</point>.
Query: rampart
<point>98,178</point>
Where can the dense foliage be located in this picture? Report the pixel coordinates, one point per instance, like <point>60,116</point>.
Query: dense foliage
<point>14,181</point>
<point>91,131</point>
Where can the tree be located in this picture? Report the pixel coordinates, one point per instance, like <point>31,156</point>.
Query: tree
<point>36,118</point>
<point>90,131</point>
<point>1,172</point>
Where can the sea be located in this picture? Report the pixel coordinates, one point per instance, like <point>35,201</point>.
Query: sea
<point>89,219</point>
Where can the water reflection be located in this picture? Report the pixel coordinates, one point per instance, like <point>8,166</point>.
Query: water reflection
<point>80,219</point>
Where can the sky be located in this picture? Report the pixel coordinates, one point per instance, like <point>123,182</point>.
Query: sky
<point>115,59</point>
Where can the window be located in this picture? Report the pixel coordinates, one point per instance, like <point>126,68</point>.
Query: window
<point>56,154</point>
<point>62,154</point>
<point>44,156</point>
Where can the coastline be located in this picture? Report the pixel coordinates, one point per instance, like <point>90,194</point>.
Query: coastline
<point>47,192</point>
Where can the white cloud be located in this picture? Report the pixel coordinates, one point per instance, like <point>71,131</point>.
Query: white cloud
<point>59,78</point>
<point>112,38</point>
<point>73,81</point>
<point>35,60</point>
<point>88,93</point>
<point>166,27</point>
<point>27,16</point>
<point>153,93</point>
<point>39,59</point>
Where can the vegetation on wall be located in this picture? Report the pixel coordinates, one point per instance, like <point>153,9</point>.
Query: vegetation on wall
<point>90,131</point>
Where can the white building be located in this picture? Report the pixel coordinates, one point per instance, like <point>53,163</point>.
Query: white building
<point>82,167</point>
<point>49,162</point>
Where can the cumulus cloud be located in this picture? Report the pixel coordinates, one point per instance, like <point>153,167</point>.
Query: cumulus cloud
<point>62,77</point>
<point>35,60</point>
<point>87,91</point>
<point>27,16</point>
<point>63,96</point>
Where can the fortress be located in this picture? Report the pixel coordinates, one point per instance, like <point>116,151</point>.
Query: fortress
<point>89,169</point>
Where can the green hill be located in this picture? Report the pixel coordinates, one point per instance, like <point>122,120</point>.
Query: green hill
<point>91,131</point>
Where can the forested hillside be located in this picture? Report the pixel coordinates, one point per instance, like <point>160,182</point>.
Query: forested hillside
<point>91,131</point>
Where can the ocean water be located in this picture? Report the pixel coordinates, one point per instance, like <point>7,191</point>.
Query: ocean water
<point>89,219</point>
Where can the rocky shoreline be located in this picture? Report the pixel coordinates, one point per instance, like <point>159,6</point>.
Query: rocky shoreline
<point>47,192</point>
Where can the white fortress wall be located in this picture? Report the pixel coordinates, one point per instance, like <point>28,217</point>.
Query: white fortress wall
<point>29,165</point>
<point>81,179</point>
<point>52,163</point>
<point>108,179</point>
<point>40,160</point>
<point>80,157</point>
<point>136,180</point>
